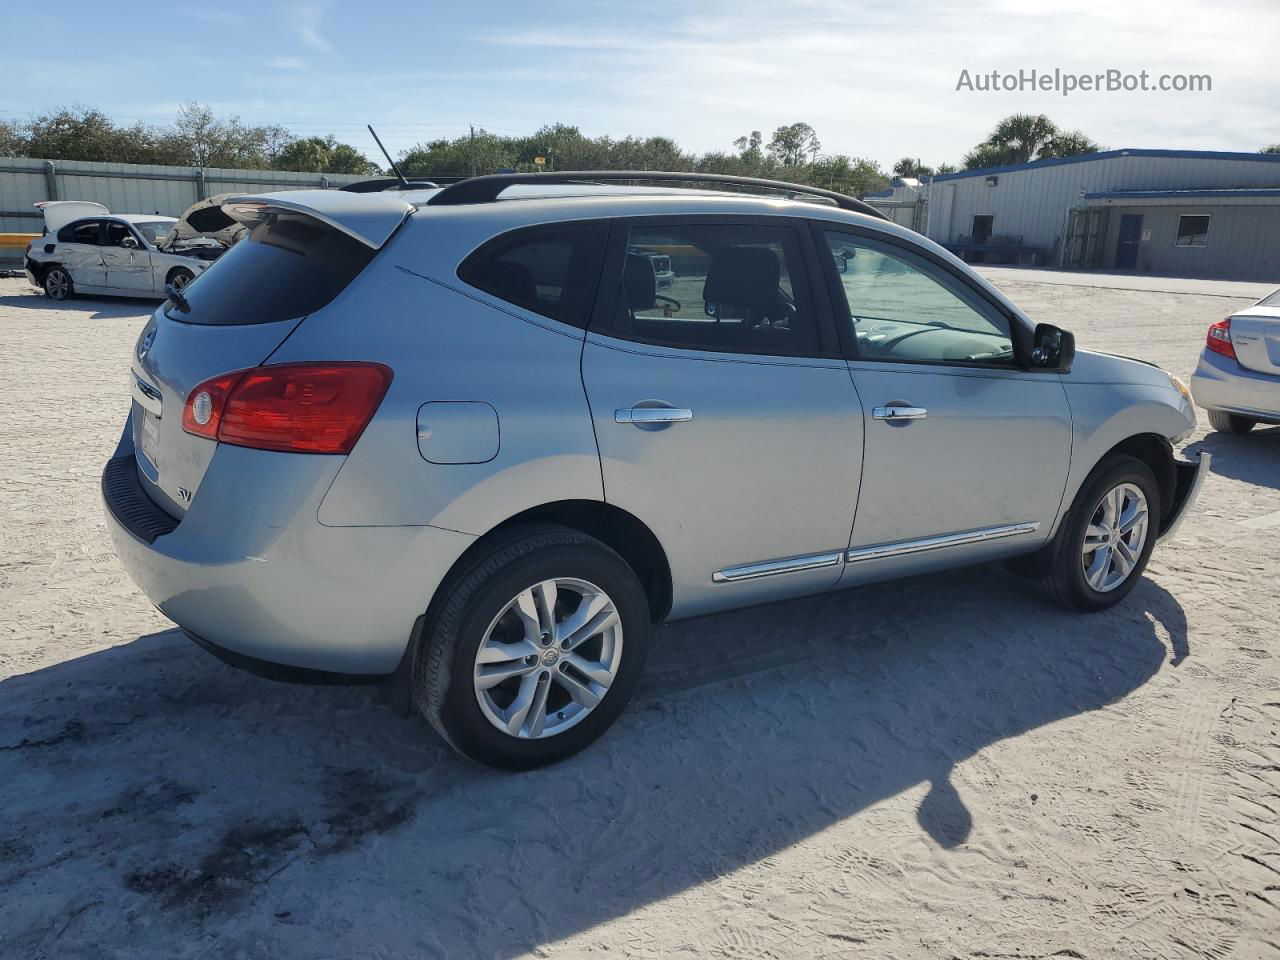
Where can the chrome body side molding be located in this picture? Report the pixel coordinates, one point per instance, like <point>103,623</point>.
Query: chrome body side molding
<point>752,571</point>
<point>936,543</point>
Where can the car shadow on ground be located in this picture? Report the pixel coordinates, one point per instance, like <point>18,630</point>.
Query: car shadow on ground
<point>104,308</point>
<point>1252,457</point>
<point>151,795</point>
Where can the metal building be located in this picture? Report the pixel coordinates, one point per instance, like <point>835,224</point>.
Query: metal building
<point>1187,213</point>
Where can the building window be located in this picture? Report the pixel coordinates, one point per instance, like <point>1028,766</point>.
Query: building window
<point>1192,231</point>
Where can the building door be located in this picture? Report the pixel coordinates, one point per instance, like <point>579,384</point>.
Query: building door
<point>1127,244</point>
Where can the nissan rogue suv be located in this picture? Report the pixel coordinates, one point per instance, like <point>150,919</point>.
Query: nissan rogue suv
<point>456,439</point>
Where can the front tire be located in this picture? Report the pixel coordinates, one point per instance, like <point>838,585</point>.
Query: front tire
<point>534,649</point>
<point>1103,545</point>
<point>58,285</point>
<point>180,278</point>
<point>1225,422</point>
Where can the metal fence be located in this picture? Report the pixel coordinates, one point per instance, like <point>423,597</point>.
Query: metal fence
<point>130,187</point>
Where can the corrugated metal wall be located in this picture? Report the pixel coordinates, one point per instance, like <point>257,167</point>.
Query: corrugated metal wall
<point>1243,242</point>
<point>1033,203</point>
<point>131,188</point>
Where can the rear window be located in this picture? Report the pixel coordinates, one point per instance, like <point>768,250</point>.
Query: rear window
<point>288,266</point>
<point>1271,300</point>
<point>552,270</point>
<point>83,231</point>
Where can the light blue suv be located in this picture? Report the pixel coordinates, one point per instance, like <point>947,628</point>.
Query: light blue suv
<point>459,441</point>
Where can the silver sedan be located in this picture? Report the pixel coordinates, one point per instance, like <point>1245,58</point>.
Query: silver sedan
<point>1238,378</point>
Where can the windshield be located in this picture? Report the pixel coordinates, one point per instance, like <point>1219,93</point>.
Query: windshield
<point>154,231</point>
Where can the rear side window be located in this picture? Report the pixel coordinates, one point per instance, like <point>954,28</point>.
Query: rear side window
<point>288,266</point>
<point>725,288</point>
<point>83,231</point>
<point>552,270</point>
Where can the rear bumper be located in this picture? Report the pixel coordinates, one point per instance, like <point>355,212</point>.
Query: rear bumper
<point>1220,383</point>
<point>1188,479</point>
<point>251,571</point>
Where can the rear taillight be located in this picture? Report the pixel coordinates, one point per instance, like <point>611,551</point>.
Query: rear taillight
<point>297,407</point>
<point>1219,339</point>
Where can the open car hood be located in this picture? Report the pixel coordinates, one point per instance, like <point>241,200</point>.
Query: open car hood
<point>58,213</point>
<point>205,220</point>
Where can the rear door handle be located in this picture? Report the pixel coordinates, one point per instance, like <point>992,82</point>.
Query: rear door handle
<point>899,411</point>
<point>652,415</point>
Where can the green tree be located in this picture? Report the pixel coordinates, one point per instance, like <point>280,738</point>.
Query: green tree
<point>1068,143</point>
<point>13,139</point>
<point>911,167</point>
<point>323,155</point>
<point>1022,135</point>
<point>946,168</point>
<point>1274,148</point>
<point>987,155</point>
<point>792,143</point>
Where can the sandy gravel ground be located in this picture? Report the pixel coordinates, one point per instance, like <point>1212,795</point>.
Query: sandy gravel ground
<point>942,768</point>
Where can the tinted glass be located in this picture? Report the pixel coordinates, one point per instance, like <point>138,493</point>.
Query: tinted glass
<point>1193,231</point>
<point>288,266</point>
<point>82,231</point>
<point>903,308</point>
<point>728,288</point>
<point>552,271</point>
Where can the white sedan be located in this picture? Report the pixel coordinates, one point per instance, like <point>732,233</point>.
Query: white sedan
<point>1238,378</point>
<point>88,249</point>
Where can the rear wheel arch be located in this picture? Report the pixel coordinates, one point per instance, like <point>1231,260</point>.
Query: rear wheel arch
<point>623,532</point>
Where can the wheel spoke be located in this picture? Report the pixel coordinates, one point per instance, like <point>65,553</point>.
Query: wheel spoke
<point>537,718</point>
<point>515,714</point>
<point>1126,559</point>
<point>1133,517</point>
<point>495,652</point>
<point>593,670</point>
<point>598,624</point>
<point>544,599</point>
<point>591,605</point>
<point>1101,566</point>
<point>579,691</point>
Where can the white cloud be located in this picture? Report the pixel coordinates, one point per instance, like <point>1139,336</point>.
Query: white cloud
<point>308,23</point>
<point>287,63</point>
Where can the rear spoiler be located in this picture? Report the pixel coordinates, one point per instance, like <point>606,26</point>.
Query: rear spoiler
<point>370,218</point>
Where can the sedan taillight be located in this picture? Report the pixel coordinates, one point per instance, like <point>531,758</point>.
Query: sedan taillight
<point>294,407</point>
<point>1219,339</point>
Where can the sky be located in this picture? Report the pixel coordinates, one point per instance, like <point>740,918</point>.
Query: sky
<point>875,79</point>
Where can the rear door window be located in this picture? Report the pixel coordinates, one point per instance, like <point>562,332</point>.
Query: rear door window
<point>82,231</point>
<point>551,270</point>
<point>724,288</point>
<point>288,266</point>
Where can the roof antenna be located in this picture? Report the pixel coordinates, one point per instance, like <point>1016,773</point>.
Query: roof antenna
<point>394,169</point>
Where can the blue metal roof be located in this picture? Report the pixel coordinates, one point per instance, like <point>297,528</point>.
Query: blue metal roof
<point>1224,193</point>
<point>1108,155</point>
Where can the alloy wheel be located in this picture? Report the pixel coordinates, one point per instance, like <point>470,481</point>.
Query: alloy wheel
<point>1114,539</point>
<point>548,658</point>
<point>57,285</point>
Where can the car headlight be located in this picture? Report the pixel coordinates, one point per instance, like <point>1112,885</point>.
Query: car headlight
<point>1181,387</point>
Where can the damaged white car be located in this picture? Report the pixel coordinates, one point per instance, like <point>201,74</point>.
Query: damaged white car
<point>88,249</point>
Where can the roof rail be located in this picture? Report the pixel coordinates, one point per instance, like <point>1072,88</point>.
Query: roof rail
<point>487,189</point>
<point>378,184</point>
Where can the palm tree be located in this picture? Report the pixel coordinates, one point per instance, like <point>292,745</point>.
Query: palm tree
<point>1022,135</point>
<point>1068,143</point>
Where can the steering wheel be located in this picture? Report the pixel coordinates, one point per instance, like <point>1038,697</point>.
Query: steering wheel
<point>674,303</point>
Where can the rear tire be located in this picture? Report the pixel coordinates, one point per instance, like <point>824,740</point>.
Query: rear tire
<point>58,285</point>
<point>1225,422</point>
<point>1087,579</point>
<point>492,620</point>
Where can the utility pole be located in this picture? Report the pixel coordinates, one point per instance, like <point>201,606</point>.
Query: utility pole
<point>473,149</point>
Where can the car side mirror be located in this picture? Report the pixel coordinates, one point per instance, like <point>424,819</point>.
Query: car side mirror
<point>1052,348</point>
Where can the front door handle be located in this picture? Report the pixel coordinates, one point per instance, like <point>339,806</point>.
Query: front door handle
<point>652,415</point>
<point>899,411</point>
